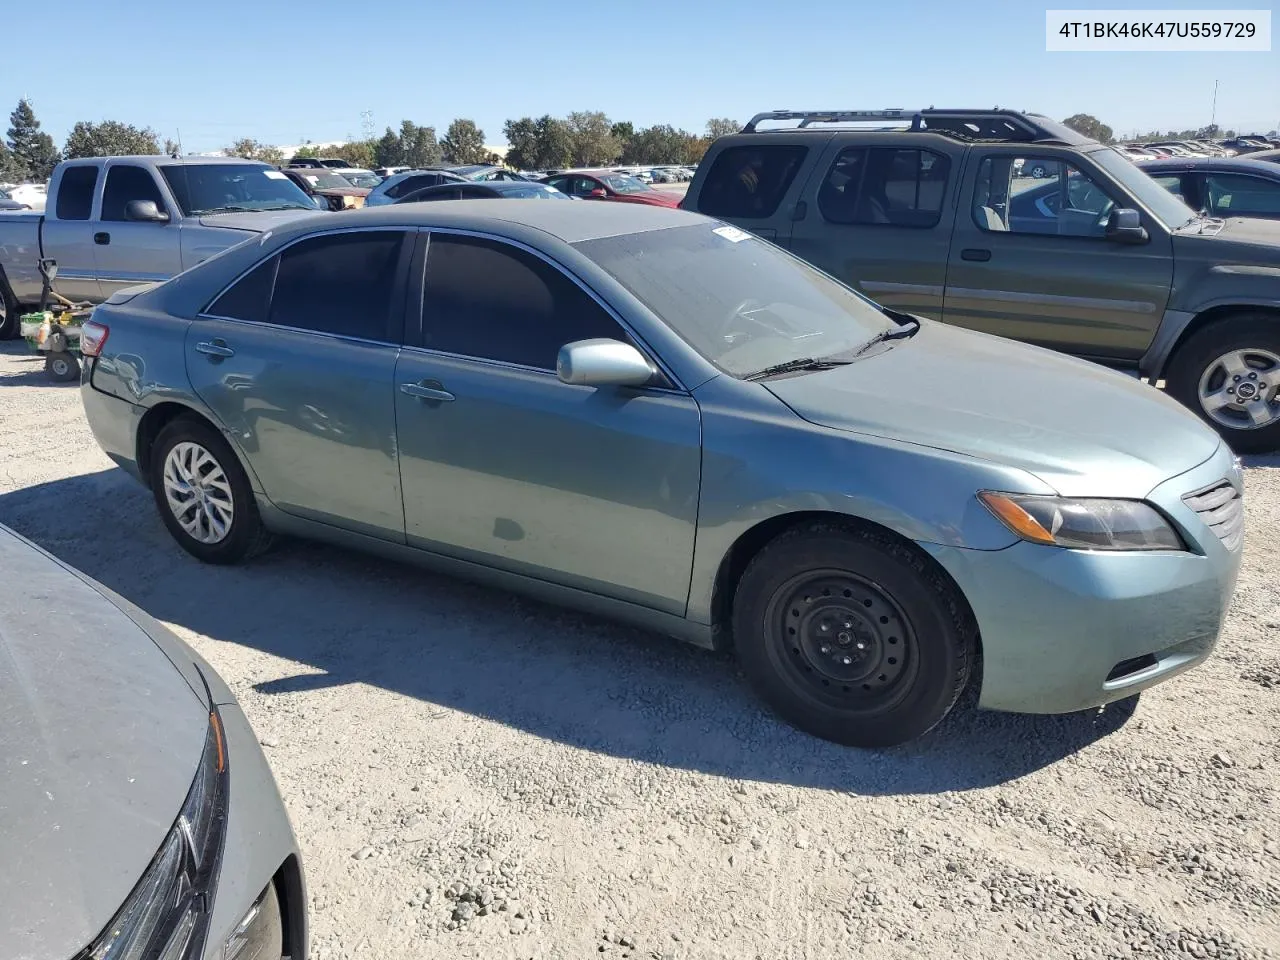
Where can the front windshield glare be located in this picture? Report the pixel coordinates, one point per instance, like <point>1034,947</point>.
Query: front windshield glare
<point>1166,208</point>
<point>742,303</point>
<point>203,188</point>
<point>625,184</point>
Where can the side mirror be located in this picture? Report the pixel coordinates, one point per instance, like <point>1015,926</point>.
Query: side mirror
<point>603,363</point>
<point>1125,226</point>
<point>597,194</point>
<point>145,211</point>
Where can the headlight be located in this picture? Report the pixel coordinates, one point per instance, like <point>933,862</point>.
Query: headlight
<point>1086,524</point>
<point>167,914</point>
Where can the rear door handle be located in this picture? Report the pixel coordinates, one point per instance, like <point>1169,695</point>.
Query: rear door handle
<point>101,239</point>
<point>216,348</point>
<point>974,254</point>
<point>426,390</point>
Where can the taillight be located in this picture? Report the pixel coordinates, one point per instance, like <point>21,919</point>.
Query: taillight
<point>93,337</point>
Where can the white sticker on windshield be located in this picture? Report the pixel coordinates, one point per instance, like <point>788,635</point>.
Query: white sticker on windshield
<point>732,234</point>
<point>275,175</point>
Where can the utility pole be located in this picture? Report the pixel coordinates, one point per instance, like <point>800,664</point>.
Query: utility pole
<point>366,123</point>
<point>1213,116</point>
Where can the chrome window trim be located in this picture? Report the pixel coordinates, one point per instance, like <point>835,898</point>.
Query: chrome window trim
<point>314,333</point>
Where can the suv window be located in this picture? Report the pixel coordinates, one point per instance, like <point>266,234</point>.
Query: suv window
<point>1039,195</point>
<point>497,302</point>
<point>249,298</point>
<point>882,185</point>
<point>410,184</point>
<point>748,182</point>
<point>125,183</point>
<point>340,283</point>
<point>75,192</point>
<point>1235,195</point>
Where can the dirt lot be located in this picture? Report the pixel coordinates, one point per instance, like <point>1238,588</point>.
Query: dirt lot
<point>591,790</point>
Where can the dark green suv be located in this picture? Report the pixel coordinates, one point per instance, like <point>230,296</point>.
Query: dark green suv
<point>1016,225</point>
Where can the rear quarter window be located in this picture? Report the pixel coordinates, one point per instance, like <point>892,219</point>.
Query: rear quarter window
<point>748,182</point>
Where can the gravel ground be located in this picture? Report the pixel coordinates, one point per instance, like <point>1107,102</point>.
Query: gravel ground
<point>473,775</point>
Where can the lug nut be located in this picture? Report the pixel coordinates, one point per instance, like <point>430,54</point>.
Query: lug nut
<point>846,661</point>
<point>1232,389</point>
<point>825,649</point>
<point>1253,376</point>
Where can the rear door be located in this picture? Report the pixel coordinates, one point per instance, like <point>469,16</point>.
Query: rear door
<point>1029,258</point>
<point>130,252</point>
<point>297,360</point>
<point>68,229</point>
<point>879,217</point>
<point>756,183</point>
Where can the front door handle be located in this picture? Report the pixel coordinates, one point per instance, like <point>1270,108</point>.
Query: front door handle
<point>101,239</point>
<point>973,254</point>
<point>215,348</point>
<point>426,390</point>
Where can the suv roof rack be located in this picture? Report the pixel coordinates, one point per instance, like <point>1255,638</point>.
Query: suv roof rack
<point>996,124</point>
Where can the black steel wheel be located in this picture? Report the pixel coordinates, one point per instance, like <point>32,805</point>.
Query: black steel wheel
<point>62,366</point>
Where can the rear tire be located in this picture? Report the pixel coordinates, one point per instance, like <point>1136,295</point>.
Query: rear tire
<point>852,636</point>
<point>10,321</point>
<point>203,494</point>
<point>1228,373</point>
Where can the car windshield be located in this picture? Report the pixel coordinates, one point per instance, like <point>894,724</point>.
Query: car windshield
<point>1166,208</point>
<point>742,303</point>
<point>204,188</point>
<point>622,183</point>
<point>362,178</point>
<point>528,191</point>
<point>325,181</point>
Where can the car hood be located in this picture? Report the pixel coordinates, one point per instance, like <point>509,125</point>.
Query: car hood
<point>100,736</point>
<point>655,199</point>
<point>259,222</point>
<point>1079,427</point>
<point>1227,244</point>
<point>341,191</point>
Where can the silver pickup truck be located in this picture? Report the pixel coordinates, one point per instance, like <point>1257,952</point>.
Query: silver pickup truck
<point>116,222</point>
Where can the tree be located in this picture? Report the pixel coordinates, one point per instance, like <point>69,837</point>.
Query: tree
<point>419,146</point>
<point>663,143</point>
<point>1089,126</point>
<point>388,151</point>
<point>622,131</point>
<point>34,154</point>
<point>591,139</point>
<point>464,142</point>
<point>10,169</point>
<point>307,151</point>
<point>721,127</point>
<point>357,153</point>
<point>171,147</point>
<point>110,138</point>
<point>251,149</point>
<point>541,144</point>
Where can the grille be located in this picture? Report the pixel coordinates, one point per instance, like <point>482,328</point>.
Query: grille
<point>1221,507</point>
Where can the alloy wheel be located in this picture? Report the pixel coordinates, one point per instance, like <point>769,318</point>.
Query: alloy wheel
<point>1241,389</point>
<point>198,493</point>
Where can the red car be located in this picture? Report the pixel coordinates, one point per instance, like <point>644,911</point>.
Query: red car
<point>607,185</point>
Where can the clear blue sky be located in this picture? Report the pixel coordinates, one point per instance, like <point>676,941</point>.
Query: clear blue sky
<point>281,71</point>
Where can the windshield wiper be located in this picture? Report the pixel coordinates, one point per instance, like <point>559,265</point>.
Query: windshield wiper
<point>908,328</point>
<point>793,366</point>
<point>232,209</point>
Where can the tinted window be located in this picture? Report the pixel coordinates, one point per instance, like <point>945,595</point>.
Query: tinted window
<point>903,188</point>
<point>1171,182</point>
<point>75,193</point>
<point>125,184</point>
<point>212,188</point>
<point>749,182</point>
<point>250,297</point>
<point>410,184</point>
<point>1233,195</point>
<point>1039,195</point>
<point>340,284</point>
<point>492,300</point>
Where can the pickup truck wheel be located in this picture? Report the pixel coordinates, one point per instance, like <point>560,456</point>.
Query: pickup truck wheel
<point>852,636</point>
<point>203,494</point>
<point>1229,373</point>
<point>10,319</point>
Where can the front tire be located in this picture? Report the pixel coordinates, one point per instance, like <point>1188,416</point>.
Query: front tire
<point>1229,374</point>
<point>203,494</point>
<point>852,636</point>
<point>10,320</point>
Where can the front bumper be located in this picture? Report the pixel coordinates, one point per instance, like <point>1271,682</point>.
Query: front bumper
<point>1065,630</point>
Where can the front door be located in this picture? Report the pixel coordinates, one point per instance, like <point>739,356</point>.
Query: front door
<point>880,220</point>
<point>130,252</point>
<point>1030,259</point>
<point>297,361</point>
<point>503,464</point>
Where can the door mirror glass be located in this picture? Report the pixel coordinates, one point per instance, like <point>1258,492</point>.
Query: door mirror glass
<point>1125,226</point>
<point>145,211</point>
<point>603,363</point>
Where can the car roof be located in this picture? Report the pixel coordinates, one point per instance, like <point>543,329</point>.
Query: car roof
<point>1222,164</point>
<point>165,160</point>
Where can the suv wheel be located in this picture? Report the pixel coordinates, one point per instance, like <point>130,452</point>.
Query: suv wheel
<point>1229,373</point>
<point>10,319</point>
<point>1039,171</point>
<point>852,636</point>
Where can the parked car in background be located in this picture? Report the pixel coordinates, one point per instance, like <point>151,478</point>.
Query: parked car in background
<point>491,190</point>
<point>8,203</point>
<point>136,798</point>
<point>34,195</point>
<point>331,190</point>
<point>1221,186</point>
<point>690,429</point>
<point>358,177</point>
<point>484,172</point>
<point>1266,156</point>
<point>393,188</point>
<point>1134,152</point>
<point>607,185</point>
<point>317,163</point>
<point>1243,146</point>
<point>1097,260</point>
<point>385,172</point>
<point>116,222</point>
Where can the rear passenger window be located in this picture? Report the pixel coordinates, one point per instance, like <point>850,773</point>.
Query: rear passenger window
<point>748,182</point>
<point>891,187</point>
<point>75,193</point>
<point>340,284</point>
<point>249,298</point>
<point>496,302</point>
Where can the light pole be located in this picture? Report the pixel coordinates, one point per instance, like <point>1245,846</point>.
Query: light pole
<point>1213,116</point>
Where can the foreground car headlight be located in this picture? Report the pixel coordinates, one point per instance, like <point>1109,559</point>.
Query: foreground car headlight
<point>167,914</point>
<point>1082,523</point>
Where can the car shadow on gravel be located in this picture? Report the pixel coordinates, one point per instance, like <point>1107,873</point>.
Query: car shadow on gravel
<point>33,373</point>
<point>585,682</point>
